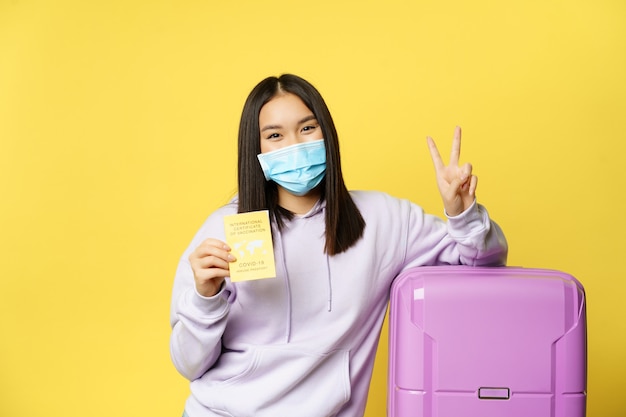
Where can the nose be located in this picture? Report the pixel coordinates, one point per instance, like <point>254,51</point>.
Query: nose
<point>291,139</point>
<point>295,139</point>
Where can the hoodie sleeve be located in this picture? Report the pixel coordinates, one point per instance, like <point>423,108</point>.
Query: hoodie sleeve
<point>197,326</point>
<point>480,241</point>
<point>198,322</point>
<point>471,238</point>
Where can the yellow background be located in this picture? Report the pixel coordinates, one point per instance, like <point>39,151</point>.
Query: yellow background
<point>118,123</point>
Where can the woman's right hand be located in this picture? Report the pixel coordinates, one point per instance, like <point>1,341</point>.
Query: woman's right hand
<point>210,265</point>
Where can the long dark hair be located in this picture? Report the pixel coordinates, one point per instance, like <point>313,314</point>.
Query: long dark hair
<point>344,223</point>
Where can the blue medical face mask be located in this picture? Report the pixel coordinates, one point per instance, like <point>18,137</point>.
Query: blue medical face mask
<point>297,168</point>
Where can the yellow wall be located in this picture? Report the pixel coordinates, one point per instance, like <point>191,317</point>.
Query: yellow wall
<point>118,125</point>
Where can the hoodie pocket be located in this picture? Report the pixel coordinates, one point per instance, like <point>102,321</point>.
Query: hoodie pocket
<point>281,381</point>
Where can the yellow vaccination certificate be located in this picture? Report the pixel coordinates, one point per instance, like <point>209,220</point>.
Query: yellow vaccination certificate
<point>249,235</point>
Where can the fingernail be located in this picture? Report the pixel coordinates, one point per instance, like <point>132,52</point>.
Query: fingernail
<point>230,258</point>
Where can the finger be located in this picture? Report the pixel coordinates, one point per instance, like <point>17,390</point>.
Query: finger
<point>212,248</point>
<point>208,262</point>
<point>434,154</point>
<point>461,182</point>
<point>456,147</point>
<point>473,185</point>
<point>216,243</point>
<point>456,185</point>
<point>465,171</point>
<point>204,276</point>
<point>209,268</point>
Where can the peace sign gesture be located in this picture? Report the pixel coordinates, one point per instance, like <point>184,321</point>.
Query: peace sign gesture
<point>456,183</point>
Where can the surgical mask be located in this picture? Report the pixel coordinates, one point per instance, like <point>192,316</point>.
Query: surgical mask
<point>297,168</point>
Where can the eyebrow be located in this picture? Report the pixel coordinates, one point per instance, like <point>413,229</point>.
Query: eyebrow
<point>303,120</point>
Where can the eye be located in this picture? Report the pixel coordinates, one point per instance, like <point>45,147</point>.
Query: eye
<point>309,128</point>
<point>272,136</point>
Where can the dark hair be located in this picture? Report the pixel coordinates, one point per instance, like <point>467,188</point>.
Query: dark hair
<point>344,223</point>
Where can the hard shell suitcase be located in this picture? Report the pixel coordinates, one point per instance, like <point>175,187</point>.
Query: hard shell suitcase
<point>487,342</point>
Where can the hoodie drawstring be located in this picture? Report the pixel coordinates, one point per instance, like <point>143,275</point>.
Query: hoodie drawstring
<point>280,253</point>
<point>330,284</point>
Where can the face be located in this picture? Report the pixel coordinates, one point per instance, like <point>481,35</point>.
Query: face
<point>284,121</point>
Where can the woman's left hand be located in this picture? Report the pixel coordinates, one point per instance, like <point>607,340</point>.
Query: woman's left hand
<point>456,183</point>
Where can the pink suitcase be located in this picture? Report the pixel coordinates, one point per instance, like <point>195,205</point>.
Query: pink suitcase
<point>487,342</point>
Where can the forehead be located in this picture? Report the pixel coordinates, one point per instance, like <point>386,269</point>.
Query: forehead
<point>282,108</point>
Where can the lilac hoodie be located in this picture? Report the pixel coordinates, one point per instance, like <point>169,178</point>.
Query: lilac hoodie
<point>303,343</point>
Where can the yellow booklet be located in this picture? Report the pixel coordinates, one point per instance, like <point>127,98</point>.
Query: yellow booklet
<point>249,235</point>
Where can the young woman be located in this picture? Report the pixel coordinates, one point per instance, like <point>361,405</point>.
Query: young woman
<point>303,343</point>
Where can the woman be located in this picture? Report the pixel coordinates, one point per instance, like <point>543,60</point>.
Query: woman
<point>303,343</point>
